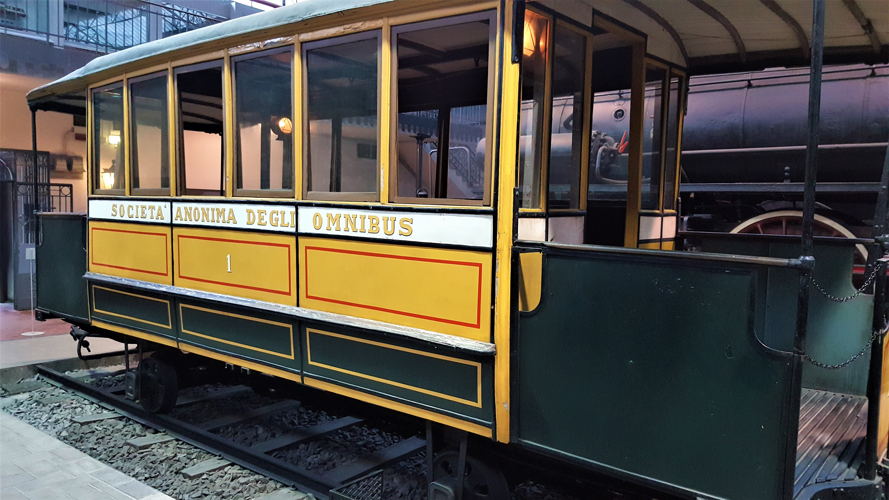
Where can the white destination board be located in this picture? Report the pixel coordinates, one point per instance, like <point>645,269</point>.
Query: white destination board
<point>279,218</point>
<point>154,212</point>
<point>475,230</point>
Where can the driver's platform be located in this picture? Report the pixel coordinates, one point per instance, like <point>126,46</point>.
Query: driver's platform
<point>830,446</point>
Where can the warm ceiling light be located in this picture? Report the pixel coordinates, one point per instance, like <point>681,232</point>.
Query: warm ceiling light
<point>114,138</point>
<point>107,179</point>
<point>285,125</point>
<point>530,42</point>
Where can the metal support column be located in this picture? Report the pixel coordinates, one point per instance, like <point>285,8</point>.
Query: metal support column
<point>814,114</point>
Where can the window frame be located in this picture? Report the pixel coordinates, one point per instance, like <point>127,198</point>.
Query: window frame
<point>305,152</point>
<point>489,15</point>
<point>131,144</point>
<point>662,140</point>
<point>681,109</point>
<point>94,175</point>
<point>205,61</point>
<point>583,174</point>
<point>236,136</point>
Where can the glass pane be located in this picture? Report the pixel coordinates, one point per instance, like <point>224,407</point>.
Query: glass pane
<point>108,166</point>
<point>610,129</point>
<point>442,110</point>
<point>201,121</point>
<point>263,113</point>
<point>342,113</point>
<point>569,60</point>
<point>149,138</point>
<point>670,170</point>
<point>531,133</point>
<point>651,138</point>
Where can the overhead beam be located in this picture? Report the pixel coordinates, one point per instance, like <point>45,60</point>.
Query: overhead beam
<point>795,26</point>
<point>729,27</point>
<point>648,11</point>
<point>866,25</point>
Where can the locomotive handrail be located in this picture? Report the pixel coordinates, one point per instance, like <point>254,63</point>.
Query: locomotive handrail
<point>470,346</point>
<point>830,240</point>
<point>668,254</point>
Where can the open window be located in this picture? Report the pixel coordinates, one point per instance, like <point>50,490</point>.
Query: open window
<point>108,141</point>
<point>263,123</point>
<point>201,128</point>
<point>443,120</point>
<point>616,55</point>
<point>149,135</point>
<point>342,118</point>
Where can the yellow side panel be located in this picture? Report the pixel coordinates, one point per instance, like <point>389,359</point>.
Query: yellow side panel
<point>883,427</point>
<point>259,266</point>
<point>137,251</point>
<point>530,280</point>
<point>447,291</point>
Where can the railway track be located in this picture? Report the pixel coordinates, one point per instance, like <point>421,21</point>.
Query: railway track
<point>210,427</point>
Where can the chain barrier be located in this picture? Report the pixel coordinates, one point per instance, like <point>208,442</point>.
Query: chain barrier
<point>829,296</point>
<point>876,334</point>
<point>864,350</point>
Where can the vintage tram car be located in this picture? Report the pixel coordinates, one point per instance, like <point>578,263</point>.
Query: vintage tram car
<point>406,203</point>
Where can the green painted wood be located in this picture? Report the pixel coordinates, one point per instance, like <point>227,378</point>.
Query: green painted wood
<point>836,331</point>
<point>418,375</point>
<point>61,263</point>
<point>252,335</point>
<point>651,366</point>
<point>136,309</point>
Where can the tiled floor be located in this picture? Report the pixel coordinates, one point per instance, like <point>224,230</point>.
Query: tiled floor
<point>51,344</point>
<point>35,465</point>
<point>14,323</point>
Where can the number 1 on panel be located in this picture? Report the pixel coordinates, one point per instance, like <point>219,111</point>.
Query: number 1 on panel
<point>228,263</point>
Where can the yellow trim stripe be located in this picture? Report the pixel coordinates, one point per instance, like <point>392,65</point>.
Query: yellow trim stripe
<point>230,342</point>
<point>188,348</point>
<point>509,106</point>
<point>168,326</point>
<point>478,366</point>
<point>136,333</point>
<point>400,407</point>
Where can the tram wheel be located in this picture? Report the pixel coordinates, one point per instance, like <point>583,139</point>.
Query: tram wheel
<point>158,385</point>
<point>480,480</point>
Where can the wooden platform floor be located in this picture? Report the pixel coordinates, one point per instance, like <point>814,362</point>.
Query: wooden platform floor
<point>830,446</point>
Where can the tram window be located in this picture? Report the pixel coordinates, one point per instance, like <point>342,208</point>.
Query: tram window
<point>342,115</point>
<point>569,62</point>
<point>672,141</point>
<point>201,126</point>
<point>651,138</point>
<point>610,127</point>
<point>263,118</point>
<point>443,94</point>
<point>108,163</point>
<point>149,137</point>
<point>535,55</point>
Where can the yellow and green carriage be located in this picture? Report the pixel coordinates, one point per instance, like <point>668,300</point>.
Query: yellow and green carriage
<point>466,212</point>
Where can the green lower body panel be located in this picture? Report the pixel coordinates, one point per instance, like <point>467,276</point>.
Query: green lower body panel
<point>259,337</point>
<point>61,262</point>
<point>424,376</point>
<point>142,310</point>
<point>650,366</point>
<point>444,382</point>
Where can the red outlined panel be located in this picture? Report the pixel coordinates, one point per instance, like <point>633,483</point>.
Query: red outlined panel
<point>288,292</point>
<point>93,261</point>
<point>477,265</point>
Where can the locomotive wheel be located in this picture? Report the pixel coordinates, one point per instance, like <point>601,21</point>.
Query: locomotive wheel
<point>480,480</point>
<point>158,385</point>
<point>790,222</point>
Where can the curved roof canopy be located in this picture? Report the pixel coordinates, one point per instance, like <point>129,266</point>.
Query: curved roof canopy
<point>706,36</point>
